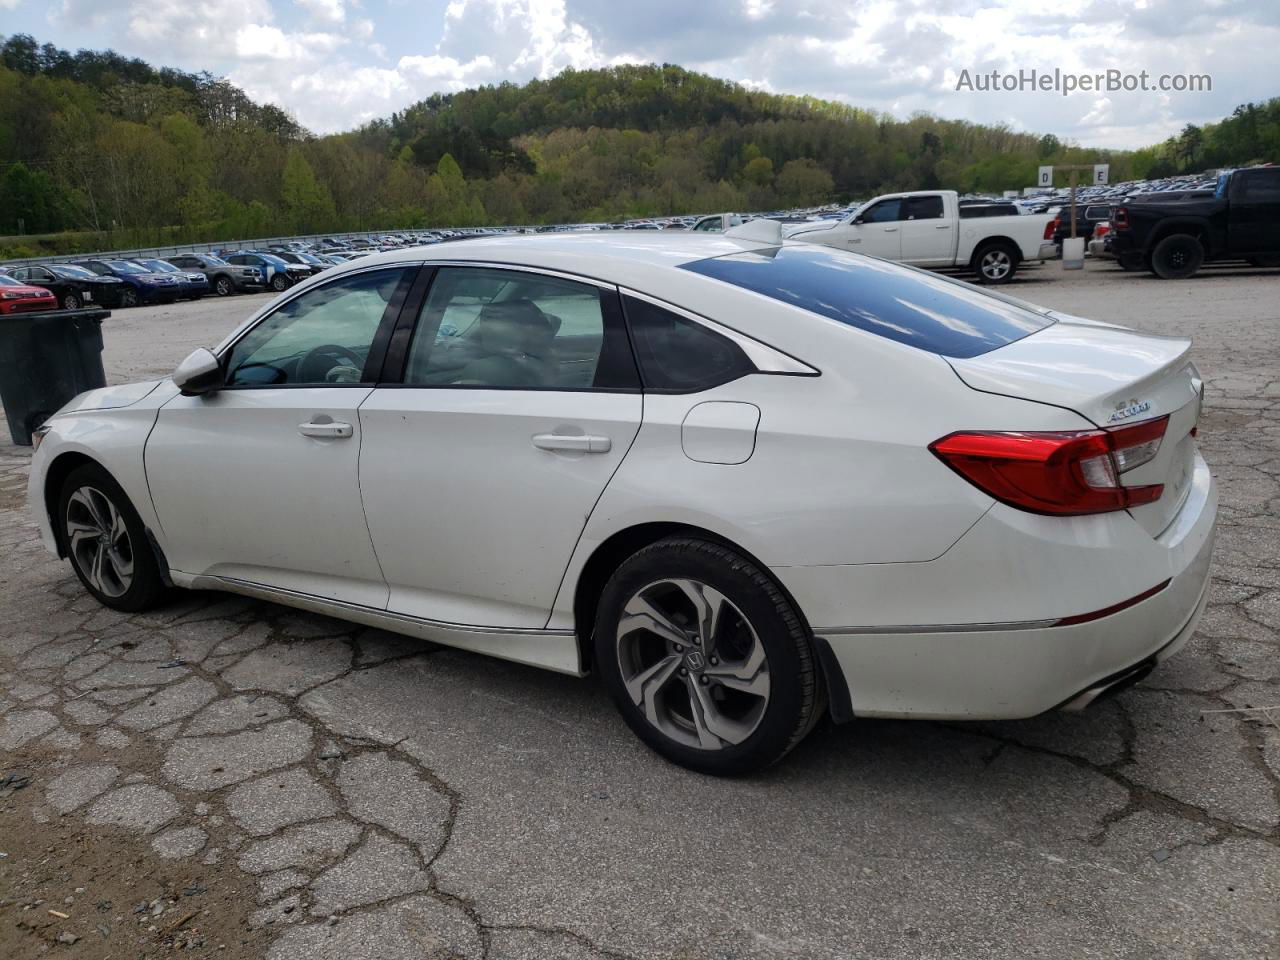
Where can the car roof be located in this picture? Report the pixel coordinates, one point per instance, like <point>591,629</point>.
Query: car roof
<point>613,256</point>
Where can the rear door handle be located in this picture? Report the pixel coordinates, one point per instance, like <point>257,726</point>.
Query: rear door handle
<point>325,431</point>
<point>576,443</point>
<point>890,229</point>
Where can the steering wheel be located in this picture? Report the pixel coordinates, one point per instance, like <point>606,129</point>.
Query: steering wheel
<point>328,363</point>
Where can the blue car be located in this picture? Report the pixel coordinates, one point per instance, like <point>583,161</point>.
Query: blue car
<point>194,285</point>
<point>141,285</point>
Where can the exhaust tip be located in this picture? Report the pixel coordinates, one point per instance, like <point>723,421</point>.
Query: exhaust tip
<point>1109,687</point>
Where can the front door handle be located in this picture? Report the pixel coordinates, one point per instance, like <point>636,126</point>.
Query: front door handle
<point>325,431</point>
<point>575,443</point>
<point>890,229</point>
<point>943,226</point>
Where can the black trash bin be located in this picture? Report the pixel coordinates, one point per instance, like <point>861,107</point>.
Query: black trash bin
<point>45,360</point>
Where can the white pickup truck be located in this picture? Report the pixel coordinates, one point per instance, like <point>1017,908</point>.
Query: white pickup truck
<point>928,229</point>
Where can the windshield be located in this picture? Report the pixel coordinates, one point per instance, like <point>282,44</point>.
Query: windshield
<point>124,266</point>
<point>161,265</point>
<point>913,307</point>
<point>271,258</point>
<point>210,259</point>
<point>72,273</point>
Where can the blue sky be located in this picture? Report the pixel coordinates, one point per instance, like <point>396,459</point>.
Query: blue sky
<point>336,63</point>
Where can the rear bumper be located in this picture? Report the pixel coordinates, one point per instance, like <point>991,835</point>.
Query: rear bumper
<point>1098,248</point>
<point>963,668</point>
<point>1049,251</point>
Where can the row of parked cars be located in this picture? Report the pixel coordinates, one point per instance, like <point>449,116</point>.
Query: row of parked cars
<point>115,282</point>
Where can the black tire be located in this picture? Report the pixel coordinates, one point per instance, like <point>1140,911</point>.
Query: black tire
<point>129,297</point>
<point>145,588</point>
<point>996,263</point>
<point>223,286</point>
<point>72,301</point>
<point>1177,257</point>
<point>280,282</point>
<point>760,617</point>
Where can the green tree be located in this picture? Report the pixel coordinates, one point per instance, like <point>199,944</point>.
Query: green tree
<point>759,172</point>
<point>307,204</point>
<point>804,183</point>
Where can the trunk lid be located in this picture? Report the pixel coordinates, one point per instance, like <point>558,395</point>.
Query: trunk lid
<point>1114,377</point>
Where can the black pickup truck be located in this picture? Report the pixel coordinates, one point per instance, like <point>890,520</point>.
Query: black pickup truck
<point>1173,236</point>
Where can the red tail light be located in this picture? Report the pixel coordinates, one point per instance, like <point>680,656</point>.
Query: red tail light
<point>1101,230</point>
<point>1120,220</point>
<point>1061,473</point>
<point>1051,228</point>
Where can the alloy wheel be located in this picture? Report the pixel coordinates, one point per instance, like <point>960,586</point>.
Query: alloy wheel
<point>99,541</point>
<point>693,664</point>
<point>996,264</point>
<point>72,302</point>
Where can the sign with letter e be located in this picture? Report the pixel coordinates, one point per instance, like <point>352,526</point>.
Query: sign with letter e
<point>1046,177</point>
<point>1100,172</point>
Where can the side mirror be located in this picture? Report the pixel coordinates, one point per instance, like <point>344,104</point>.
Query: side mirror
<point>199,374</point>
<point>857,221</point>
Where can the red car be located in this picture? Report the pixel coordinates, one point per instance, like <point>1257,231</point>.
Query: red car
<point>17,297</point>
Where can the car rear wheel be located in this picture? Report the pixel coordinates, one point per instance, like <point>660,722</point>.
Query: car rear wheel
<point>705,657</point>
<point>71,302</point>
<point>107,543</point>
<point>1177,257</point>
<point>996,263</point>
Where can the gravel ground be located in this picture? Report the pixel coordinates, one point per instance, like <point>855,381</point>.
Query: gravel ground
<point>232,778</point>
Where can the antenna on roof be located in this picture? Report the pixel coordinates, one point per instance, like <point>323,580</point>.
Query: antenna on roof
<point>757,231</point>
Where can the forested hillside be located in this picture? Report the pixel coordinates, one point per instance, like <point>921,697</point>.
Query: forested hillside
<point>121,152</point>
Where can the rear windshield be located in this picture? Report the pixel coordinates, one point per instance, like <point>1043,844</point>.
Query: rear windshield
<point>910,306</point>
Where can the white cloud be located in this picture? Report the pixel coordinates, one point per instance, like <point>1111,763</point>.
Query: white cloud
<point>330,11</point>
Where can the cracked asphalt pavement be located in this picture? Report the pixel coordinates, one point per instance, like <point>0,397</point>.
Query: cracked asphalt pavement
<point>304,789</point>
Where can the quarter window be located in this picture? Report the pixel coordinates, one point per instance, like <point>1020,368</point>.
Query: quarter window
<point>507,329</point>
<point>321,337</point>
<point>677,355</point>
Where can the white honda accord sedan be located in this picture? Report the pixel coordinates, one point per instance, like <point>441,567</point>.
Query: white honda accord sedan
<point>747,482</point>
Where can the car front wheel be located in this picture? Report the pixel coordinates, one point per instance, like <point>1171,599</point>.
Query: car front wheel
<point>107,543</point>
<point>129,298</point>
<point>705,657</point>
<point>279,282</point>
<point>71,302</point>
<point>222,287</point>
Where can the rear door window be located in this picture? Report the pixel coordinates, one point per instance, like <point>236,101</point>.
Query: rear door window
<point>909,306</point>
<point>924,208</point>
